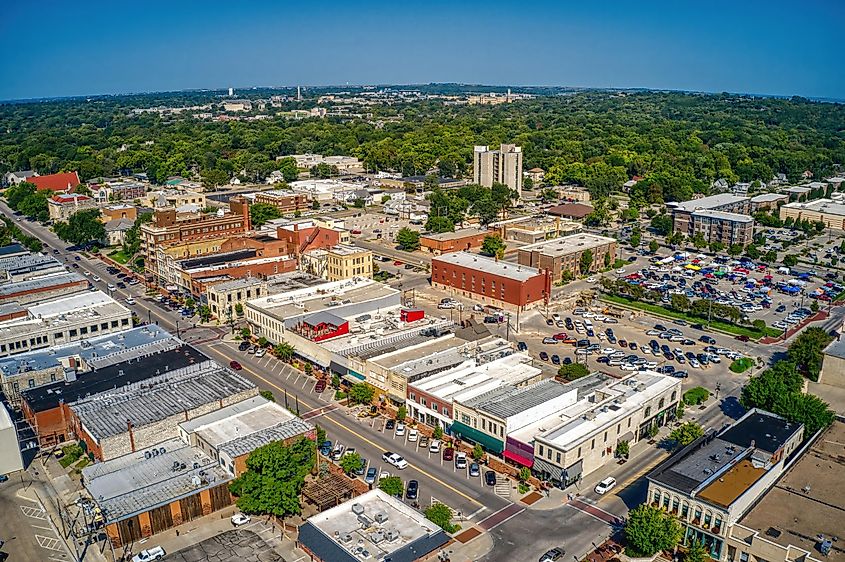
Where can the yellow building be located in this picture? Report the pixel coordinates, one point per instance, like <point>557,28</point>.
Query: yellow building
<point>338,262</point>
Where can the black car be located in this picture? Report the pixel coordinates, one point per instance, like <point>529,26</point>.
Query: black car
<point>567,360</point>
<point>697,326</point>
<point>522,346</point>
<point>490,478</point>
<point>556,359</point>
<point>550,322</point>
<point>553,555</point>
<point>491,320</point>
<point>654,345</point>
<point>413,490</point>
<point>707,339</point>
<point>244,346</point>
<point>660,327</point>
<point>390,424</point>
<point>544,356</point>
<point>680,374</point>
<point>582,343</point>
<point>602,359</point>
<point>121,285</point>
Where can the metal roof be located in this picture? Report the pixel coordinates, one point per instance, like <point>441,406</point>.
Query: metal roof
<point>711,202</point>
<point>42,282</point>
<point>507,401</point>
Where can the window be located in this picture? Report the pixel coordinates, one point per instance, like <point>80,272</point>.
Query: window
<point>660,404</point>
<point>648,412</point>
<point>593,446</point>
<point>541,450</point>
<point>465,419</point>
<point>684,510</point>
<point>579,452</point>
<point>52,377</point>
<point>557,457</point>
<point>605,437</point>
<point>697,514</point>
<point>83,330</point>
<point>629,423</point>
<point>549,454</point>
<point>31,383</point>
<point>656,496</point>
<point>666,501</point>
<point>675,505</point>
<point>708,517</point>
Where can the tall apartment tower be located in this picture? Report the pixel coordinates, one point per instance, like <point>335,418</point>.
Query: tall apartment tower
<point>498,166</point>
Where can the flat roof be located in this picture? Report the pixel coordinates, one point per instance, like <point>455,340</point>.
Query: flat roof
<point>5,418</point>
<point>807,501</point>
<point>488,265</point>
<point>768,197</point>
<point>347,250</point>
<point>340,533</point>
<point>836,348</point>
<point>234,284</point>
<point>432,349</point>
<point>106,414</point>
<point>732,483</point>
<point>149,478</point>
<point>567,245</point>
<point>98,351</point>
<point>39,283</point>
<point>754,437</point>
<point>722,215</point>
<point>65,310</point>
<point>797,190</point>
<point>711,202</point>
<point>507,401</point>
<point>820,206</point>
<point>18,264</point>
<point>140,368</point>
<point>456,235</point>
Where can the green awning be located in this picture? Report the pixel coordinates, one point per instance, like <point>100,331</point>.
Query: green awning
<point>488,442</point>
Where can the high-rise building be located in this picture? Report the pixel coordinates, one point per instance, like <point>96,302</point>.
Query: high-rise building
<point>498,166</point>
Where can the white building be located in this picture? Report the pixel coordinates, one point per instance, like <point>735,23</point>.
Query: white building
<point>10,451</point>
<point>498,166</point>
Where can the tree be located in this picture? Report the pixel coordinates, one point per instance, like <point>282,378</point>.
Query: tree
<point>807,351</point>
<point>284,351</point>
<point>653,246</point>
<point>245,333</point>
<point>586,261</point>
<point>696,552</point>
<point>680,303</point>
<point>686,433</point>
<point>361,393</point>
<point>351,462</point>
<point>392,485</point>
<point>636,239</point>
<point>493,246</point>
<point>239,309</point>
<point>441,515</point>
<point>267,395</point>
<point>274,478</point>
<point>132,239</point>
<point>698,241</point>
<point>204,313</point>
<point>623,449</point>
<point>548,195</point>
<point>650,530</point>
<point>260,213</point>
<point>84,226</point>
<point>408,240</point>
<point>477,452</point>
<point>735,249</point>
<point>717,247</point>
<point>214,178</point>
<point>438,432</point>
<point>662,224</point>
<point>790,260</point>
<point>401,413</point>
<point>752,252</point>
<point>814,306</point>
<point>572,371</point>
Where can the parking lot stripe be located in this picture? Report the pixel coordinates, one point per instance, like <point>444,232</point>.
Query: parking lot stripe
<point>361,437</point>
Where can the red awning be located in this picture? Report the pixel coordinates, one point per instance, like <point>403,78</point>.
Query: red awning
<point>518,459</point>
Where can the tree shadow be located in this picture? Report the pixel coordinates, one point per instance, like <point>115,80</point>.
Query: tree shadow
<point>732,408</point>
<point>634,494</point>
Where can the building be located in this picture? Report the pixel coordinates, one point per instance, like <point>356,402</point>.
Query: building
<point>373,525</point>
<point>500,284</point>
<point>536,175</point>
<point>116,230</point>
<point>721,227</point>
<point>324,190</point>
<point>42,288</point>
<point>62,205</point>
<point>63,320</point>
<point>712,482</point>
<point>343,164</point>
<point>768,201</point>
<point>170,228</point>
<point>530,229</point>
<point>498,166</point>
<point>118,191</point>
<point>154,489</point>
<point>237,105</point>
<point>119,211</point>
<point>571,211</point>
<point>230,434</point>
<point>573,193</point>
<point>797,192</point>
<point>830,212</point>
<point>682,212</point>
<point>582,436</point>
<point>176,198</point>
<point>20,267</point>
<point>563,255</point>
<point>303,235</point>
<point>10,450</point>
<point>446,242</point>
<point>193,276</point>
<point>62,182</point>
<point>431,399</point>
<point>283,199</point>
<point>79,372</point>
<point>833,364</point>
<point>15,178</point>
<point>337,263</point>
<point>800,516</point>
<point>127,419</point>
<point>224,297</point>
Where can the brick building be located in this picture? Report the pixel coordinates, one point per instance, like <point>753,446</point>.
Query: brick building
<point>560,255</point>
<point>725,228</point>
<point>119,211</point>
<point>283,200</point>
<point>338,262</point>
<point>501,284</point>
<point>62,205</point>
<point>445,242</point>
<point>61,182</point>
<point>42,288</point>
<point>682,213</point>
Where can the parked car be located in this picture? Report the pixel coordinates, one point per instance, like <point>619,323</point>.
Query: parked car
<point>461,461</point>
<point>448,454</point>
<point>412,490</point>
<point>326,448</point>
<point>474,469</point>
<point>490,478</point>
<point>556,359</point>
<point>235,365</point>
<point>261,352</point>
<point>522,346</point>
<point>370,477</point>
<point>413,435</point>
<point>400,429</point>
<point>553,555</point>
<point>435,446</point>
<point>320,386</point>
<point>390,425</point>
<point>239,519</point>
<point>395,459</point>
<point>544,356</point>
<point>154,553</point>
<point>337,452</point>
<point>605,485</point>
<point>550,341</point>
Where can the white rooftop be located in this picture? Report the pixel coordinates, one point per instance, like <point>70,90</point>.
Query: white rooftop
<point>238,420</point>
<point>709,202</point>
<point>489,265</point>
<point>568,244</point>
<point>722,215</point>
<point>820,206</point>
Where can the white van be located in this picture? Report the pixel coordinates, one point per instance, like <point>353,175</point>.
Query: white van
<point>605,485</point>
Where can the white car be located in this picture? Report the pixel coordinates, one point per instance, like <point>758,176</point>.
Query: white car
<point>413,434</point>
<point>154,553</point>
<point>589,315</point>
<point>400,429</point>
<point>96,278</point>
<point>714,358</point>
<point>605,485</point>
<point>591,279</point>
<point>628,367</point>
<point>261,352</point>
<point>111,287</point>
<point>239,519</point>
<point>434,447</point>
<point>694,363</point>
<point>460,461</point>
<point>608,351</point>
<point>395,459</point>
<point>130,301</point>
<point>620,271</point>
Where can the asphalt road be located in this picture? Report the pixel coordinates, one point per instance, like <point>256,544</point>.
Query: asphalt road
<point>26,527</point>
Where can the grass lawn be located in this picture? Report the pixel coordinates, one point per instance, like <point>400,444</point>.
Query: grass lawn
<point>119,256</point>
<point>749,331</point>
<point>741,365</point>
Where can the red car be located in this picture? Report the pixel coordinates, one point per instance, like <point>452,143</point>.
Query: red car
<point>397,262</point>
<point>448,454</point>
<point>561,336</point>
<point>742,338</point>
<point>235,365</point>
<point>320,386</point>
<point>356,231</point>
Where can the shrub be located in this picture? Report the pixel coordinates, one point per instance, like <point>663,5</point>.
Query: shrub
<point>695,396</point>
<point>741,365</point>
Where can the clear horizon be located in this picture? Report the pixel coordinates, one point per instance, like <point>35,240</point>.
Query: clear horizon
<point>97,48</point>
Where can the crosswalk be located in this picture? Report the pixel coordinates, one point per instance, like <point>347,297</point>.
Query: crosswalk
<point>502,488</point>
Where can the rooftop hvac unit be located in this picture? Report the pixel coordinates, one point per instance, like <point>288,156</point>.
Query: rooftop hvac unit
<point>391,535</point>
<point>357,508</point>
<point>381,517</point>
<point>196,481</point>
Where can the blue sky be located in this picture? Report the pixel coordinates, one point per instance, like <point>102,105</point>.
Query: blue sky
<point>56,48</point>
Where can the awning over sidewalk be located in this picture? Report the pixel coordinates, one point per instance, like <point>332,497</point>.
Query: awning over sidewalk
<point>518,459</point>
<point>488,442</point>
<point>548,470</point>
<point>311,359</point>
<point>628,436</point>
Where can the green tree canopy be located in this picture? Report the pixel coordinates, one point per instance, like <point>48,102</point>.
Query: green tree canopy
<point>84,226</point>
<point>650,530</point>
<point>493,246</point>
<point>807,351</point>
<point>441,515</point>
<point>361,393</point>
<point>408,239</point>
<point>274,478</point>
<point>351,462</point>
<point>662,224</point>
<point>686,433</point>
<point>260,213</point>
<point>586,261</point>
<point>573,371</point>
<point>392,485</point>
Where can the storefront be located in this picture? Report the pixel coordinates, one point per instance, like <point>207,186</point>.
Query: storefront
<point>468,433</point>
<point>560,477</point>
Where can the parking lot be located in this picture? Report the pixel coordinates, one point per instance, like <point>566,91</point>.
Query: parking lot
<point>251,543</point>
<point>369,225</point>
